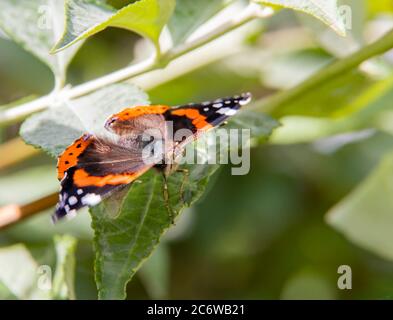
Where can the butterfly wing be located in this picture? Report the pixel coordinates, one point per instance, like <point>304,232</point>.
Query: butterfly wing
<point>206,115</point>
<point>92,168</point>
<point>99,169</point>
<point>191,120</point>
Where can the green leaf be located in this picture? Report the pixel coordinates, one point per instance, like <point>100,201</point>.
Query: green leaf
<point>5,293</point>
<point>260,124</point>
<point>36,25</point>
<point>190,14</point>
<point>63,281</point>
<point>22,277</point>
<point>353,14</point>
<point>18,273</point>
<point>324,10</point>
<point>376,8</point>
<point>123,243</point>
<point>88,17</point>
<point>56,128</point>
<point>365,216</point>
<point>127,231</point>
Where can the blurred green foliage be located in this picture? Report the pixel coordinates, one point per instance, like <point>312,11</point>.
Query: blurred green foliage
<point>259,236</point>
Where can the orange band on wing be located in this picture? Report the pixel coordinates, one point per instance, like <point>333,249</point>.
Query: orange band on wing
<point>69,157</point>
<point>130,113</point>
<point>198,120</point>
<point>83,179</point>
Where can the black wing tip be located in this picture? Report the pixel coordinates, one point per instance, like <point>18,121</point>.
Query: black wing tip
<point>61,214</point>
<point>239,99</point>
<point>58,215</point>
<point>54,218</point>
<point>245,98</point>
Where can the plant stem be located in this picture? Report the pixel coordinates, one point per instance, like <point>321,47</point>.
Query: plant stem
<point>251,12</point>
<point>14,213</point>
<point>277,103</point>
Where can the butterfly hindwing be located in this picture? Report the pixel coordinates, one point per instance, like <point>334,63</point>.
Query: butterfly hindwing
<point>102,167</point>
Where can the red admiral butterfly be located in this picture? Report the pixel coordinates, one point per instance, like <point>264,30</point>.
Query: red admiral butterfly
<point>92,167</point>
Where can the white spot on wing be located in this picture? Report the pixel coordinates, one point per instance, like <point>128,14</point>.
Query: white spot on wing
<point>227,111</point>
<point>79,191</point>
<point>91,199</point>
<point>71,214</point>
<point>72,200</point>
<point>217,105</point>
<point>246,100</point>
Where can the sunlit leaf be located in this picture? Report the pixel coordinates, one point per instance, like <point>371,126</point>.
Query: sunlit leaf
<point>36,25</point>
<point>324,10</point>
<point>365,216</point>
<point>21,276</point>
<point>379,7</point>
<point>19,273</point>
<point>88,17</point>
<point>63,281</point>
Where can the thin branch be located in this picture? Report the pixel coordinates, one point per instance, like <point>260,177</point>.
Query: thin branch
<point>251,12</point>
<point>14,213</point>
<point>276,104</point>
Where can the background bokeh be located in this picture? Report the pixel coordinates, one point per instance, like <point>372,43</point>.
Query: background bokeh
<point>259,236</point>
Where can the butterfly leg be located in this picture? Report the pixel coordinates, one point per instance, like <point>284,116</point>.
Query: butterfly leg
<point>186,174</point>
<point>166,198</point>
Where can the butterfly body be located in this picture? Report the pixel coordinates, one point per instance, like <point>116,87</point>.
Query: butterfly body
<point>144,137</point>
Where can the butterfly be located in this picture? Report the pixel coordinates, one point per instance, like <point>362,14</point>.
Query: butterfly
<point>93,167</point>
